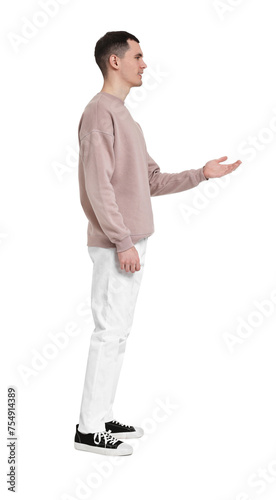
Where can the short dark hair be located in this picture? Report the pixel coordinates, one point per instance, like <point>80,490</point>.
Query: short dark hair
<point>113,42</point>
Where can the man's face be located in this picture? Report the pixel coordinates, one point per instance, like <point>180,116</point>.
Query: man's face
<point>132,64</point>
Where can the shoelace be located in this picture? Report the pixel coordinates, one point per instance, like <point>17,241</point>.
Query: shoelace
<point>108,438</point>
<point>119,423</point>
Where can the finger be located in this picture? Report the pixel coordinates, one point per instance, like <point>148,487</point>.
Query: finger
<point>236,164</point>
<point>127,268</point>
<point>223,158</point>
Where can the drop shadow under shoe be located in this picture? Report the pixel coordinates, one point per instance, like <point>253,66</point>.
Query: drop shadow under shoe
<point>102,442</point>
<point>122,431</point>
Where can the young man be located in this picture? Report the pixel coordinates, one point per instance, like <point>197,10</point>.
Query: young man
<point>117,177</point>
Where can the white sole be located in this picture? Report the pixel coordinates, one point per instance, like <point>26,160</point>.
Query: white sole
<point>127,435</point>
<point>104,451</point>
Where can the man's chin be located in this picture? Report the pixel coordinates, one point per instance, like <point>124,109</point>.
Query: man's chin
<point>137,84</point>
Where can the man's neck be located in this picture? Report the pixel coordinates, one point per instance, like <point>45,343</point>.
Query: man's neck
<point>120,92</point>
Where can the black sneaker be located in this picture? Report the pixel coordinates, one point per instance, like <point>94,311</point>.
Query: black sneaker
<point>101,442</point>
<point>122,431</point>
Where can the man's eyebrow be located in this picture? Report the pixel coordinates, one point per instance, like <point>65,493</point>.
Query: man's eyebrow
<point>141,55</point>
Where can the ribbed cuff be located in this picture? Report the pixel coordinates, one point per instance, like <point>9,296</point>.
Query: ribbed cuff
<point>202,176</point>
<point>124,244</point>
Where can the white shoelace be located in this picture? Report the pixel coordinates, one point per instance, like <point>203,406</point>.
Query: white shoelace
<point>108,438</point>
<point>119,423</point>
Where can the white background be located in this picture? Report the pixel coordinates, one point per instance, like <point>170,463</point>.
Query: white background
<point>204,272</point>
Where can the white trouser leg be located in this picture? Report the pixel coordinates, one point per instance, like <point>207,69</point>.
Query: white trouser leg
<point>113,299</point>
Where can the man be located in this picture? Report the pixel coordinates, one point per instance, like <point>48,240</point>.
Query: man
<point>117,177</point>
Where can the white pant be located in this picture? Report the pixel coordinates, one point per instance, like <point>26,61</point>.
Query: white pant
<point>113,298</point>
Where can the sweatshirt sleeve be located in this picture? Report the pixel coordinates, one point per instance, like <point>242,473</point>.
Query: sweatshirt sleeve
<point>167,183</point>
<point>97,154</point>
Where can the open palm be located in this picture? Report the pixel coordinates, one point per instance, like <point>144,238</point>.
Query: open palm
<point>214,168</point>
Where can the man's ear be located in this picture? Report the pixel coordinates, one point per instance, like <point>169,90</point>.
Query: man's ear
<point>114,61</point>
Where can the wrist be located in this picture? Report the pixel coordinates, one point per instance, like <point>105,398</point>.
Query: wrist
<point>207,178</point>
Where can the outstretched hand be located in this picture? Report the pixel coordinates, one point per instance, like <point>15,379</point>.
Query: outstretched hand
<point>214,168</point>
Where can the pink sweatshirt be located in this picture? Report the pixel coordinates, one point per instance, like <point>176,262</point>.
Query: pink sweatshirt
<point>117,176</point>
